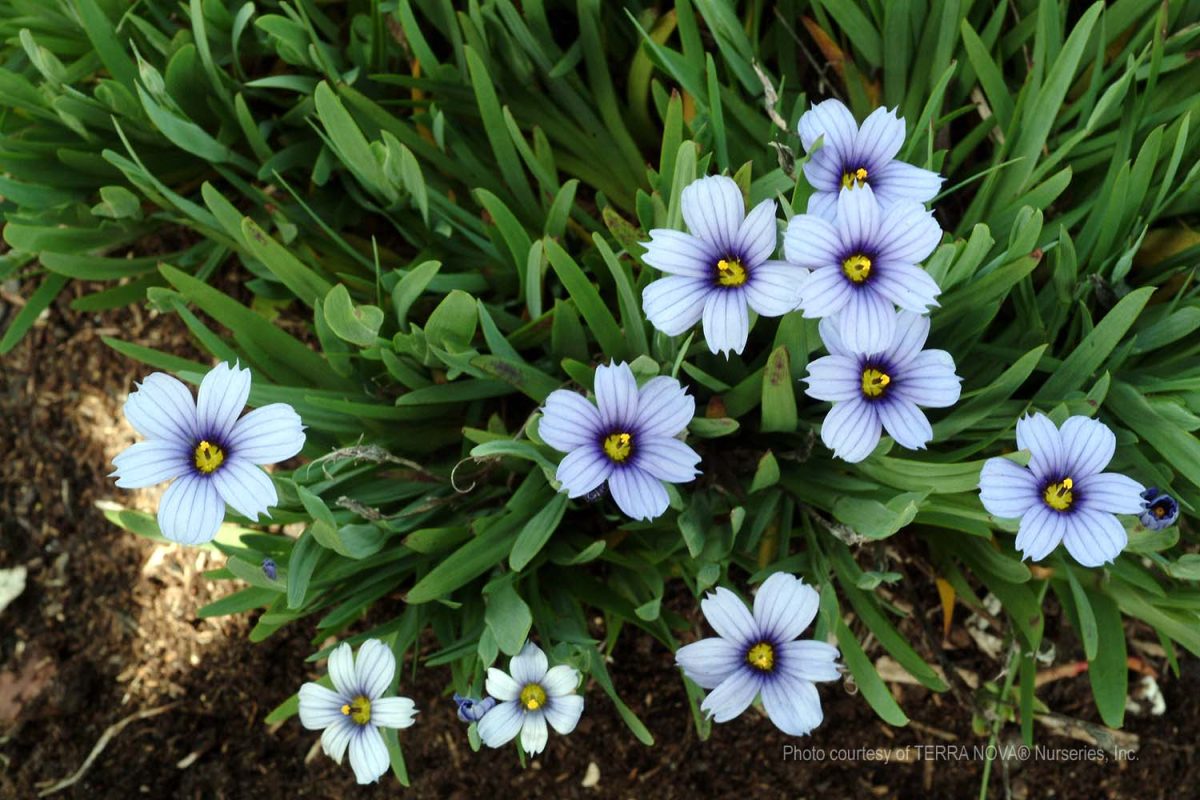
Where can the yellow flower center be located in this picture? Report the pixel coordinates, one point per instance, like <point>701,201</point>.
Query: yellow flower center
<point>208,457</point>
<point>857,267</point>
<point>618,446</point>
<point>1058,495</point>
<point>874,381</point>
<point>359,710</point>
<point>856,178</point>
<point>1160,512</point>
<point>730,272</point>
<point>533,697</point>
<point>761,657</point>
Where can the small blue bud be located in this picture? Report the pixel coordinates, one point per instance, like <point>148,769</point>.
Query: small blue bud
<point>1160,509</point>
<point>472,710</point>
<point>268,568</point>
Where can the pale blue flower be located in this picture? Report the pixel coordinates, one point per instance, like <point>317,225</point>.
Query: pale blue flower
<point>628,441</point>
<point>863,264</point>
<point>1063,495</point>
<point>471,709</point>
<point>1159,510</point>
<point>213,454</point>
<point>881,390</point>
<point>853,156</point>
<point>758,655</point>
<point>352,713</point>
<point>532,696</point>
<point>720,269</point>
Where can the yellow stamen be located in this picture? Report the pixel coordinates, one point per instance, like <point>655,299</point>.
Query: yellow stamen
<point>857,267</point>
<point>533,697</point>
<point>730,272</point>
<point>359,710</point>
<point>1058,495</point>
<point>1160,512</point>
<point>874,382</point>
<point>618,446</point>
<point>208,457</point>
<point>761,657</point>
<point>856,178</point>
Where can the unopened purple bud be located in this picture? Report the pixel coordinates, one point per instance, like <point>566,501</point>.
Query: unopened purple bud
<point>472,710</point>
<point>1160,509</point>
<point>268,568</point>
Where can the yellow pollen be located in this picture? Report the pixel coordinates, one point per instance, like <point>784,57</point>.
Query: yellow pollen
<point>730,272</point>
<point>874,382</point>
<point>856,178</point>
<point>857,267</point>
<point>359,710</point>
<point>1160,512</point>
<point>618,446</point>
<point>1058,495</point>
<point>761,657</point>
<point>533,697</point>
<point>208,457</point>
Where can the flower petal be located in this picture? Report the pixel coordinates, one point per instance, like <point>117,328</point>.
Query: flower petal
<point>1094,538</point>
<point>341,670</point>
<point>149,462</point>
<point>834,378</point>
<point>851,430</point>
<point>1007,490</point>
<point>733,695</point>
<point>675,303</point>
<point>393,712</point>
<point>907,233</point>
<point>569,421</point>
<point>368,754</point>
<point>828,329</point>
<point>1041,529</point>
<point>710,661</point>
<point>758,235</point>
<point>879,138</point>
<point>792,704</point>
<point>775,288</point>
<point>1111,492</point>
<point>713,210</point>
<point>726,321</point>
<point>583,470</point>
<point>221,399</point>
<point>729,617</point>
<point>679,253</point>
<point>529,666</point>
<point>191,510</point>
<point>664,407</point>
<point>831,119</point>
<point>812,242</point>
<point>1037,434</point>
<point>563,712</point>
<point>245,487</point>
<point>501,686</point>
<point>163,408</point>
<point>374,669</point>
<point>336,738</point>
<point>867,324</point>
<point>826,292</point>
<point>1088,446</point>
<point>897,181</point>
<point>534,734</point>
<point>929,380</point>
<point>823,202</point>
<point>268,435</point>
<point>667,459</point>
<point>857,218</point>
<point>905,423</point>
<point>616,395</point>
<point>810,660</point>
<point>319,707</point>
<point>911,332</point>
<point>637,493</point>
<point>907,286</point>
<point>784,607</point>
<point>561,680</point>
<point>824,171</point>
<point>502,724</point>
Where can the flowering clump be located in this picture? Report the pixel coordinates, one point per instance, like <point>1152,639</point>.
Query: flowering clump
<point>719,269</point>
<point>531,695</point>
<point>1063,495</point>
<point>211,452</point>
<point>351,714</point>
<point>758,654</point>
<point>627,439</point>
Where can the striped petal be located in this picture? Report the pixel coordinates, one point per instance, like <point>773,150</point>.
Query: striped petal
<point>638,493</point>
<point>616,394</point>
<point>867,323</point>
<point>1088,446</point>
<point>851,430</point>
<point>729,617</point>
<point>710,661</point>
<point>1037,434</point>
<point>163,408</point>
<point>679,253</point>
<point>793,704</point>
<point>368,755</point>
<point>569,421</point>
<point>758,235</point>
<point>713,210</point>
<point>826,292</point>
<point>784,607</point>
<point>1110,492</point>
<point>191,510</point>
<point>834,378</point>
<point>1041,529</point>
<point>374,668</point>
<point>675,303</point>
<point>831,119</point>
<point>245,487</point>
<point>880,137</point>
<point>582,470</point>
<point>667,459</point>
<point>775,287</point>
<point>221,400</point>
<point>268,435</point>
<point>150,462</point>
<point>1094,538</point>
<point>812,242</point>
<point>732,696</point>
<point>1007,490</point>
<point>664,407</point>
<point>726,321</point>
<point>905,423</point>
<point>896,181</point>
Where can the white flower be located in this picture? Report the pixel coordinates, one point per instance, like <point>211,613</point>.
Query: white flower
<point>353,712</point>
<point>531,697</point>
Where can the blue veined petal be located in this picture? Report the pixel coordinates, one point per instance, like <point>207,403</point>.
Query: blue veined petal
<point>1094,538</point>
<point>758,235</point>
<point>809,660</point>
<point>774,288</point>
<point>563,712</point>
<point>1088,446</point>
<point>851,430</point>
<point>664,407</point>
<point>857,217</point>
<point>793,704</point>
<point>679,253</point>
<point>245,487</point>
<point>221,399</point>
<point>674,303</point>
<point>784,607</point>
<point>268,435</point>
<point>1040,531</point>
<point>726,321</point>
<point>729,617</point>
<point>336,738</point>
<point>823,203</point>
<point>374,668</point>
<point>834,378</point>
<point>502,724</point>
<point>828,329</point>
<point>150,462</point>
<point>831,119</point>
<point>163,408</point>
<point>368,754</point>
<point>568,421</point>
<point>637,493</point>
<point>191,510</point>
<point>907,233</point>
<point>906,285</point>
<point>713,210</point>
<point>905,423</point>
<point>529,666</point>
<point>929,380</point>
<point>812,242</point>
<point>823,171</point>
<point>912,330</point>
<point>393,712</point>
<point>710,661</point>
<point>897,181</point>
<point>320,707</point>
<point>733,695</point>
<point>879,138</point>
<point>341,670</point>
<point>1037,434</point>
<point>501,686</point>
<point>560,681</point>
<point>582,470</point>
<point>826,292</point>
<point>533,732</point>
<point>666,459</point>
<point>867,323</point>
<point>1111,492</point>
<point>1006,489</point>
<point>616,394</point>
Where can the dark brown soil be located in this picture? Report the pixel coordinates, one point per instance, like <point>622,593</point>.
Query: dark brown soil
<point>107,627</point>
